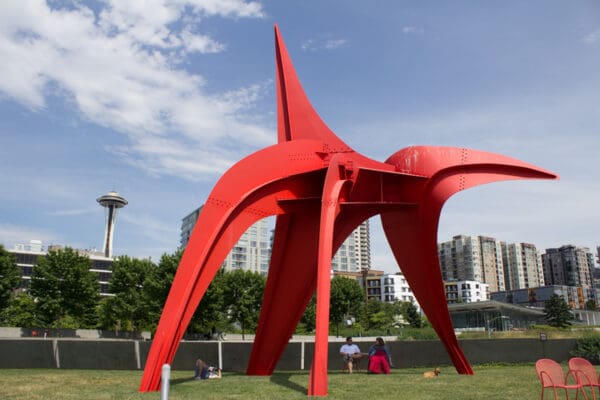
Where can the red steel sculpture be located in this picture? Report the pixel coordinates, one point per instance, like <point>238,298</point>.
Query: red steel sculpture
<point>321,190</point>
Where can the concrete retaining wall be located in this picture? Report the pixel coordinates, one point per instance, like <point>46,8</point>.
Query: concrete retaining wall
<point>233,356</point>
<point>15,333</point>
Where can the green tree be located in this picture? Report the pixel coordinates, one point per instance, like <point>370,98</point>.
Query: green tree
<point>156,287</point>
<point>210,313</point>
<point>411,314</point>
<point>125,310</point>
<point>379,315</point>
<point>557,312</point>
<point>20,312</point>
<point>379,320</point>
<point>242,294</point>
<point>588,347</point>
<point>591,305</point>
<point>64,290</point>
<point>346,299</point>
<point>308,319</point>
<point>10,277</point>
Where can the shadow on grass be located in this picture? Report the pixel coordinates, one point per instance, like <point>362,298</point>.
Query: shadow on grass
<point>283,379</point>
<point>180,380</point>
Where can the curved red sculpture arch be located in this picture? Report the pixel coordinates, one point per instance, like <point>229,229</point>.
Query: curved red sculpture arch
<point>320,190</point>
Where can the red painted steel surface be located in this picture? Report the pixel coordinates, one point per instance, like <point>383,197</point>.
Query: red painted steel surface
<point>320,190</point>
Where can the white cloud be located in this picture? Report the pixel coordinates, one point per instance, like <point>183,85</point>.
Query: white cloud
<point>165,156</point>
<point>592,37</point>
<point>119,66</point>
<point>412,30</point>
<point>200,43</point>
<point>227,8</point>
<point>150,22</point>
<point>335,43</point>
<point>71,213</point>
<point>11,235</point>
<point>323,43</point>
<point>155,228</point>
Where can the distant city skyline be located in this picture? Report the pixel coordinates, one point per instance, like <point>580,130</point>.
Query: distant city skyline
<point>593,251</point>
<point>511,266</point>
<point>156,102</point>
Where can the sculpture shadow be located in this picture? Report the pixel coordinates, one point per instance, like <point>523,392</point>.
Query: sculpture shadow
<point>283,379</point>
<point>180,380</point>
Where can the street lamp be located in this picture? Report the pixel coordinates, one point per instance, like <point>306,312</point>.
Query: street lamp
<point>365,272</point>
<point>488,324</point>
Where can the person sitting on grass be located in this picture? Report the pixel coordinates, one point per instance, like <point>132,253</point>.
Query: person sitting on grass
<point>350,354</point>
<point>204,371</point>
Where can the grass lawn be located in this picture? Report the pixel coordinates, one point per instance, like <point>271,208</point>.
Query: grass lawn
<point>489,382</point>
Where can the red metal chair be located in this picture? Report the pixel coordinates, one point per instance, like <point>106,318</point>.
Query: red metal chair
<point>551,376</point>
<point>585,373</point>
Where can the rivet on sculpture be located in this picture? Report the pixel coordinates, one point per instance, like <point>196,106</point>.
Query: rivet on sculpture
<point>320,190</point>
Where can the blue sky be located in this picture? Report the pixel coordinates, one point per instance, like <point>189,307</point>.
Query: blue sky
<point>156,99</point>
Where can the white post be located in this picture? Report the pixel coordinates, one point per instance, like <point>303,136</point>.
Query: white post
<point>302,355</point>
<point>164,383</point>
<point>56,353</point>
<point>136,348</point>
<point>220,348</point>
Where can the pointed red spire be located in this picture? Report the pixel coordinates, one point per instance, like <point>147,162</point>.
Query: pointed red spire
<point>296,118</point>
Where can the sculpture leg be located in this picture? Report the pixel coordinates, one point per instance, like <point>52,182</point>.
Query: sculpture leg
<point>414,244</point>
<point>292,280</point>
<point>250,190</point>
<point>329,211</point>
<point>290,285</point>
<point>318,374</point>
<point>196,270</point>
<point>412,233</point>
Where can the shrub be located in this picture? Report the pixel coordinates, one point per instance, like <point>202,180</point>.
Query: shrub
<point>417,334</point>
<point>547,328</point>
<point>588,347</point>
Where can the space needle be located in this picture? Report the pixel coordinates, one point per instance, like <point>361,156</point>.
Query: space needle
<point>111,203</point>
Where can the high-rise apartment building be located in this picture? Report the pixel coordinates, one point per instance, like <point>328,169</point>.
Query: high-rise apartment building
<point>596,272</point>
<point>253,249</point>
<point>354,255</point>
<point>251,252</point>
<point>492,264</point>
<point>502,266</point>
<point>473,258</point>
<point>187,226</point>
<point>569,265</point>
<point>522,266</point>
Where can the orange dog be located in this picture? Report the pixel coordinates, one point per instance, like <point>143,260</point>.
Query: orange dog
<point>431,374</point>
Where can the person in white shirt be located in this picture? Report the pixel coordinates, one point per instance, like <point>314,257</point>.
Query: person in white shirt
<point>350,353</point>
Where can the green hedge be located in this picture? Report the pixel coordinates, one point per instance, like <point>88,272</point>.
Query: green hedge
<point>588,347</point>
